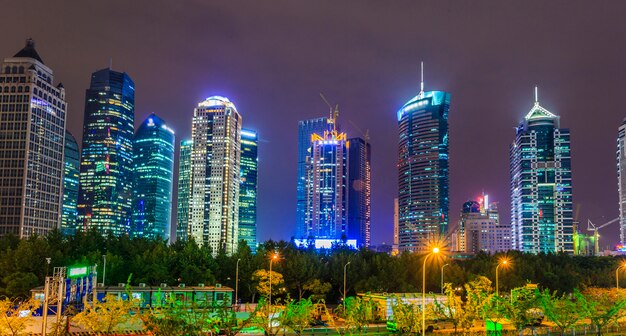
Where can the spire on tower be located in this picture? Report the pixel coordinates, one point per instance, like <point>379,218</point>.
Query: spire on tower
<point>536,95</point>
<point>422,81</point>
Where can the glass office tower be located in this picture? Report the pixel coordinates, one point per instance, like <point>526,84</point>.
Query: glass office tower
<point>541,184</point>
<point>153,158</point>
<point>32,136</point>
<point>106,167</point>
<point>621,180</point>
<point>248,188</point>
<point>71,169</point>
<point>184,189</point>
<point>359,191</point>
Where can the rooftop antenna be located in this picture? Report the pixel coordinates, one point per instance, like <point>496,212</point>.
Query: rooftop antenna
<point>422,81</point>
<point>334,113</point>
<point>536,95</point>
<point>110,63</point>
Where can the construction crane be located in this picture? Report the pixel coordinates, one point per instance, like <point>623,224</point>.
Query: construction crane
<point>596,237</point>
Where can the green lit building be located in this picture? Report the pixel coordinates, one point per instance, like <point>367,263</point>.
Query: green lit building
<point>248,188</point>
<point>541,184</point>
<point>71,169</point>
<point>106,167</point>
<point>153,159</point>
<point>184,189</point>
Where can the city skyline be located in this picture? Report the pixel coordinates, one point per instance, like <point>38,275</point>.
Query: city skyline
<point>490,90</point>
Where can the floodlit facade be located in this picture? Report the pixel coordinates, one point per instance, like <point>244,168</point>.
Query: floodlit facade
<point>184,189</point>
<point>215,174</point>
<point>248,188</point>
<point>32,134</point>
<point>359,190</point>
<point>480,229</point>
<point>71,169</point>
<point>621,180</point>
<point>153,159</point>
<point>541,184</point>
<point>106,167</point>
<point>423,180</point>
<point>306,128</point>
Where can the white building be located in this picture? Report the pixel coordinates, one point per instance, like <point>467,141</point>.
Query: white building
<point>480,229</point>
<point>621,180</point>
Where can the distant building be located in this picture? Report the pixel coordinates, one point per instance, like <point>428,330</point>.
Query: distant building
<point>621,180</point>
<point>153,159</point>
<point>248,188</point>
<point>71,169</point>
<point>32,129</point>
<point>215,174</point>
<point>541,184</point>
<point>106,168</point>
<point>359,190</point>
<point>479,229</point>
<point>184,189</point>
<point>423,169</point>
<point>396,227</point>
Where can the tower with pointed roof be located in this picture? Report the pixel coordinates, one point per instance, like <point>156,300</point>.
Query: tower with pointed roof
<point>541,184</point>
<point>423,175</point>
<point>32,129</point>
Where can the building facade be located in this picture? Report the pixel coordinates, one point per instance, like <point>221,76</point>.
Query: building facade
<point>621,180</point>
<point>248,188</point>
<point>423,202</point>
<point>541,184</point>
<point>32,137</point>
<point>106,164</point>
<point>184,189</point>
<point>480,229</point>
<point>153,160</point>
<point>215,174</point>
<point>359,190</point>
<point>71,169</point>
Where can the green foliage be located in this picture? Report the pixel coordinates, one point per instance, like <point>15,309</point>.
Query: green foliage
<point>297,315</point>
<point>602,306</point>
<point>406,316</point>
<point>452,309</point>
<point>522,308</point>
<point>317,289</point>
<point>110,315</point>
<point>262,279</point>
<point>562,310</point>
<point>358,312</point>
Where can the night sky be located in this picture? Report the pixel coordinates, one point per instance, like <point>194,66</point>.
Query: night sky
<point>272,58</point>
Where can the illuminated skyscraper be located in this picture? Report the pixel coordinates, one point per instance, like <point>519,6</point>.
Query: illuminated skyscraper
<point>359,191</point>
<point>184,189</point>
<point>153,158</point>
<point>423,169</point>
<point>479,229</point>
<point>32,135</point>
<point>71,168</point>
<point>541,184</point>
<point>106,167</point>
<point>306,128</point>
<point>621,180</point>
<point>248,188</point>
<point>215,170</point>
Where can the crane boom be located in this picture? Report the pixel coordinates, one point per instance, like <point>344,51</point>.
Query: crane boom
<point>596,236</point>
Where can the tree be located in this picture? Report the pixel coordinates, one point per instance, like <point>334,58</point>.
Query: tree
<point>358,313</point>
<point>317,289</point>
<point>175,318</point>
<point>563,311</point>
<point>264,318</point>
<point>297,315</point>
<point>451,309</point>
<point>522,309</point>
<point>478,303</point>
<point>406,316</point>
<point>12,320</point>
<point>262,278</point>
<point>601,306</point>
<point>110,315</point>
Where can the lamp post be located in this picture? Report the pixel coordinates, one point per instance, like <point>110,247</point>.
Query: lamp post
<point>442,267</point>
<point>237,283</point>
<point>434,251</point>
<point>617,274</point>
<point>504,262</point>
<point>104,269</point>
<point>344,281</point>
<point>274,257</point>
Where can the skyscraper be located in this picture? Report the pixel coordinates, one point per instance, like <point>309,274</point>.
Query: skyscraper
<point>541,184</point>
<point>306,128</point>
<point>248,188</point>
<point>359,190</point>
<point>32,134</point>
<point>153,159</point>
<point>326,168</point>
<point>423,169</point>
<point>71,168</point>
<point>184,189</point>
<point>621,180</point>
<point>479,229</point>
<point>106,167</point>
<point>215,170</point>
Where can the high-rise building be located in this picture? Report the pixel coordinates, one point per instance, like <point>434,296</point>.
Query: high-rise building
<point>71,169</point>
<point>479,229</point>
<point>248,188</point>
<point>184,189</point>
<point>215,170</point>
<point>153,159</point>
<point>326,168</point>
<point>423,169</point>
<point>106,167</point>
<point>621,180</point>
<point>306,128</point>
<point>541,184</point>
<point>32,136</point>
<point>359,190</point>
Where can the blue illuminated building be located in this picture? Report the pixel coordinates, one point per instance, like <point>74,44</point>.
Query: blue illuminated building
<point>423,201</point>
<point>71,169</point>
<point>359,190</point>
<point>153,159</point>
<point>248,188</point>
<point>184,189</point>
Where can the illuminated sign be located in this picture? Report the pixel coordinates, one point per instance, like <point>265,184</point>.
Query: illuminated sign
<point>77,271</point>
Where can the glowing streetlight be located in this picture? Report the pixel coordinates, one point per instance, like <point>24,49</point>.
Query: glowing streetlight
<point>442,267</point>
<point>345,267</point>
<point>274,257</point>
<point>434,251</point>
<point>617,274</point>
<point>504,262</point>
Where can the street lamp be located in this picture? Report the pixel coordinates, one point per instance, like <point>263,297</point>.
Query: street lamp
<point>237,283</point>
<point>434,251</point>
<point>617,274</point>
<point>504,262</point>
<point>442,267</point>
<point>274,257</point>
<point>344,281</point>
<point>104,269</point>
